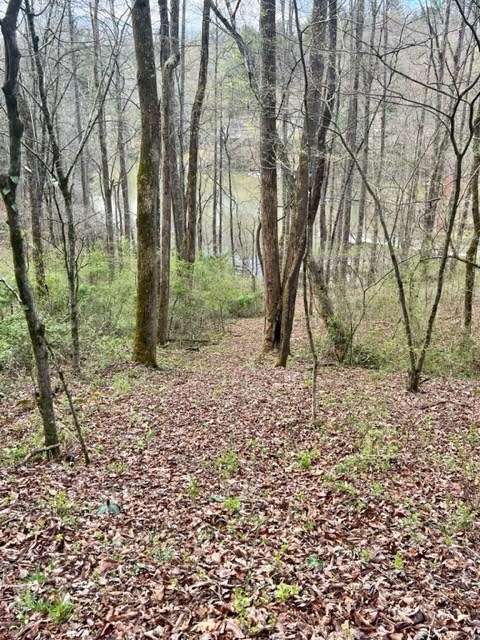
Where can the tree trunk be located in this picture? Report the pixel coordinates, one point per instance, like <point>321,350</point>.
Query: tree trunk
<point>268,175</point>
<point>122,156</point>
<point>145,344</point>
<point>8,185</point>
<point>192,174</point>
<point>352,137</point>
<point>68,237</point>
<point>471,256</point>
<point>78,116</point>
<point>170,57</point>
<point>337,333</point>
<point>35,183</point>
<point>301,213</point>
<point>368,76</point>
<point>102,141</point>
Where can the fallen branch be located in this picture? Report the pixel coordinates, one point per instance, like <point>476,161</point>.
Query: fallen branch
<point>70,403</point>
<point>434,404</point>
<point>37,452</point>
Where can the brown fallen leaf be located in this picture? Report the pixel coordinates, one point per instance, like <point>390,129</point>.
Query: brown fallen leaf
<point>159,593</point>
<point>209,624</point>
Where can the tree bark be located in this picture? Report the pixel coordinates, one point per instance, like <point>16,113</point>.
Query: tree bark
<point>302,212</point>
<point>471,256</point>
<point>268,175</point>
<point>145,343</point>
<point>170,57</point>
<point>352,126</point>
<point>102,141</point>
<point>192,174</point>
<point>78,116</point>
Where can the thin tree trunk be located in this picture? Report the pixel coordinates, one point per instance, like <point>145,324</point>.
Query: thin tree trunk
<point>352,136</point>
<point>8,185</point>
<point>69,238</point>
<point>383,132</point>
<point>102,141</point>
<point>122,156</point>
<point>368,75</point>
<point>471,256</point>
<point>35,183</point>
<point>170,58</point>
<point>301,213</point>
<point>78,116</point>
<point>192,174</point>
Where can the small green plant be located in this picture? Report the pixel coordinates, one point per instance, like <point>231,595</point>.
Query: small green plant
<point>365,555</point>
<point>463,518</point>
<point>314,562</point>
<point>227,463</point>
<point>378,490</point>
<point>346,487</point>
<point>61,505</point>
<point>162,552</point>
<point>243,604</point>
<point>305,458</point>
<point>233,504</point>
<point>40,576</point>
<point>121,384</point>
<point>165,554</point>
<point>193,488</point>
<point>58,607</point>
<point>285,591</point>
<point>117,467</point>
<point>110,507</point>
<point>310,525</point>
<point>398,561</point>
<point>413,521</point>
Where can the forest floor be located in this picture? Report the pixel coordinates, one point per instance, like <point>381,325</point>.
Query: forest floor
<point>238,517</point>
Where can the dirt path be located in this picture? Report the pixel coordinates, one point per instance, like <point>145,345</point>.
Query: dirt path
<point>240,519</point>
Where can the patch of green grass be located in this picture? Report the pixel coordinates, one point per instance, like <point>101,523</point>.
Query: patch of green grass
<point>122,384</point>
<point>306,458</point>
<point>193,488</point>
<point>285,591</point>
<point>165,554</point>
<point>117,467</point>
<point>398,562</point>
<point>58,607</point>
<point>232,504</point>
<point>61,505</point>
<point>161,551</point>
<point>39,576</point>
<point>463,518</point>
<point>227,463</point>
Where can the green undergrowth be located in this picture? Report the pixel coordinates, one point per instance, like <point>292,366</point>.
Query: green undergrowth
<point>202,301</point>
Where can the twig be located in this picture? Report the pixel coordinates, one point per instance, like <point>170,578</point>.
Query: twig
<point>70,402</point>
<point>11,289</point>
<point>311,343</point>
<point>37,452</point>
<point>433,404</point>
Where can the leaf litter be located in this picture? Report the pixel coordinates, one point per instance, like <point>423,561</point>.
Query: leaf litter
<point>215,509</point>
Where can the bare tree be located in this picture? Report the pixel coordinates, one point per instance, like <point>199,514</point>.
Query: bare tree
<point>8,184</point>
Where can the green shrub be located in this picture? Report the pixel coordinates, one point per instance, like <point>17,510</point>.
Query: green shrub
<point>203,298</point>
